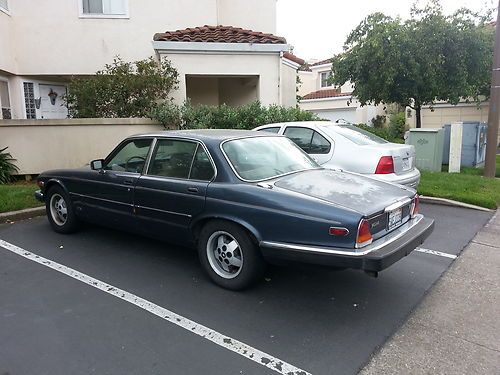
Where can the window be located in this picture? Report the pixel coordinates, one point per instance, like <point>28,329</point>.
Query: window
<point>300,136</point>
<point>202,168</point>
<point>319,144</point>
<point>104,8</point>
<point>130,157</point>
<point>4,5</point>
<point>262,158</point>
<point>271,130</point>
<point>172,158</point>
<point>357,135</point>
<point>5,100</point>
<point>308,140</point>
<point>29,100</point>
<point>325,76</point>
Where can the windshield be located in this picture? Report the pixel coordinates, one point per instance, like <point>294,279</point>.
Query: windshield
<point>356,135</point>
<point>261,158</point>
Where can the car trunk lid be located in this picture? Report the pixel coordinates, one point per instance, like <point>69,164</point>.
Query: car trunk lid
<point>364,195</point>
<point>403,155</point>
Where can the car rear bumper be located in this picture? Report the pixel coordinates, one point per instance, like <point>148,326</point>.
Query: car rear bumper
<point>375,257</point>
<point>410,179</point>
<point>39,196</point>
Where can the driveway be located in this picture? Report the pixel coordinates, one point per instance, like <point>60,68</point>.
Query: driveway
<point>106,302</point>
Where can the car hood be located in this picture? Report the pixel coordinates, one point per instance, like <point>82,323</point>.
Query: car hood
<point>352,191</point>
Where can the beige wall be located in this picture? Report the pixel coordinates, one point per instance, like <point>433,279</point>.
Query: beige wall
<point>203,90</point>
<point>288,86</point>
<point>40,145</point>
<point>259,15</point>
<point>265,66</point>
<point>237,91</point>
<point>446,114</point>
<point>49,37</point>
<point>308,83</point>
<point>7,44</point>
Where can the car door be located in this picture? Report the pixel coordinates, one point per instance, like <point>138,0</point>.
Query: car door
<point>173,189</point>
<point>108,194</point>
<point>311,141</point>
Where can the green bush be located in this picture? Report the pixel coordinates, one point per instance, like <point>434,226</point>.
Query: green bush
<point>381,132</point>
<point>189,116</point>
<point>7,167</point>
<point>378,121</point>
<point>397,125</point>
<point>122,89</point>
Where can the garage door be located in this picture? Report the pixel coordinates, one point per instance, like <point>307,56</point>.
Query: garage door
<point>347,114</point>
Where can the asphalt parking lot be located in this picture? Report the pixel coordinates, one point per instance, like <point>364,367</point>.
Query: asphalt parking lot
<point>318,321</point>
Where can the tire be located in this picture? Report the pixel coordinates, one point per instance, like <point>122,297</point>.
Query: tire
<point>229,256</point>
<point>60,211</point>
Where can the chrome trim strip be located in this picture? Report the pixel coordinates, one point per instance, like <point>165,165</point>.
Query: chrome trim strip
<point>102,199</point>
<point>164,211</point>
<point>150,156</point>
<point>398,204</point>
<point>376,245</point>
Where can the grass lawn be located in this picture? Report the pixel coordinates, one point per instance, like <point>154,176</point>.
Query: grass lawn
<point>18,196</point>
<point>469,186</point>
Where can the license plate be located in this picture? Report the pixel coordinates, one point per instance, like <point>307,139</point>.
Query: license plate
<point>395,218</point>
<point>406,164</point>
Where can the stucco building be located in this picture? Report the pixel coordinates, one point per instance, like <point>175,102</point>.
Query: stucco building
<point>43,44</point>
<point>328,101</point>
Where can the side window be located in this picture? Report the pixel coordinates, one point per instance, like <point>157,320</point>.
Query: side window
<point>301,136</point>
<point>172,158</point>
<point>131,157</point>
<point>202,169</point>
<point>319,144</point>
<point>271,130</point>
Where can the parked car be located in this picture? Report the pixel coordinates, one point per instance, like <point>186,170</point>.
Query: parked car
<point>347,147</point>
<point>243,198</point>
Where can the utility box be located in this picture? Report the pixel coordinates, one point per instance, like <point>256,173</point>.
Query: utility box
<point>428,145</point>
<point>473,143</point>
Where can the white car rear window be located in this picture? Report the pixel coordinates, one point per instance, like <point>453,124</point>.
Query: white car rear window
<point>355,134</point>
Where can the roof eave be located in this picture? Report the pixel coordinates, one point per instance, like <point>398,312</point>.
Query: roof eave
<point>205,47</point>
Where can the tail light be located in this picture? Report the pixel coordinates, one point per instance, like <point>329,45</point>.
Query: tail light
<point>364,235</point>
<point>385,165</point>
<point>415,206</point>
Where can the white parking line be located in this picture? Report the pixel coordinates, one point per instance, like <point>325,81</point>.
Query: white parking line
<point>434,252</point>
<point>220,339</point>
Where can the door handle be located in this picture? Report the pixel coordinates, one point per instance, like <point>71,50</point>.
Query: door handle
<point>192,189</point>
<point>128,181</point>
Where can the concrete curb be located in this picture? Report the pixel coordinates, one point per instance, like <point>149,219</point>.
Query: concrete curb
<point>449,202</point>
<point>21,214</point>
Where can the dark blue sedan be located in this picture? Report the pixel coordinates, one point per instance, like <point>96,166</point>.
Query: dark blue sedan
<point>243,199</point>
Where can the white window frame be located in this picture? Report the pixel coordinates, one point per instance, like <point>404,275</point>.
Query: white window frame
<point>9,92</point>
<point>321,79</point>
<point>98,15</point>
<point>5,10</point>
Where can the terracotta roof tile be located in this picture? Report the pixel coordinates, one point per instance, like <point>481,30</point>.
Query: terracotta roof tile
<point>295,59</point>
<point>330,93</point>
<point>322,62</point>
<point>218,34</point>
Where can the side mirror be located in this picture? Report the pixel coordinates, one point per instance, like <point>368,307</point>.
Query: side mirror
<point>97,165</point>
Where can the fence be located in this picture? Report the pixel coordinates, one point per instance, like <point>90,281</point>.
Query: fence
<point>39,145</point>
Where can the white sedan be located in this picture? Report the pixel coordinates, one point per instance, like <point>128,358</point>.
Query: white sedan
<point>347,147</point>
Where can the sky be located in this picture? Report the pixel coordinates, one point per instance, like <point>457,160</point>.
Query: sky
<point>317,29</point>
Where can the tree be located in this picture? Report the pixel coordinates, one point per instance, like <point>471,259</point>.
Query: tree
<point>122,89</point>
<point>428,58</point>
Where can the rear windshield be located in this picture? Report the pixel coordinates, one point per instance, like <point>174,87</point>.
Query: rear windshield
<point>261,158</point>
<point>356,135</point>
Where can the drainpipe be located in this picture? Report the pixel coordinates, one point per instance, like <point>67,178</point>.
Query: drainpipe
<point>280,75</point>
